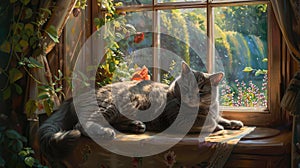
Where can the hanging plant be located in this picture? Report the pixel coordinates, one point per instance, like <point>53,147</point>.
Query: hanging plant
<point>33,32</point>
<point>118,30</point>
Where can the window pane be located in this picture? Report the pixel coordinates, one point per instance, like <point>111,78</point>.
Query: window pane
<point>137,47</point>
<point>163,1</point>
<point>133,2</point>
<point>241,45</point>
<point>182,37</point>
<point>217,1</point>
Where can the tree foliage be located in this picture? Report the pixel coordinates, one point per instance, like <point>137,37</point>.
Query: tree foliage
<point>246,19</point>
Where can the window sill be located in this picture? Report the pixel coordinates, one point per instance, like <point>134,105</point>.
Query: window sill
<point>266,152</point>
<point>272,151</point>
<point>243,109</point>
<point>273,145</point>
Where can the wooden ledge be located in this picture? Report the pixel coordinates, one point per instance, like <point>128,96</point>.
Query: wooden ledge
<point>257,142</point>
<point>275,145</point>
<point>262,152</point>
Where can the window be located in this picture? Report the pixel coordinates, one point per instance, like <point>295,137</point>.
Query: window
<point>240,38</point>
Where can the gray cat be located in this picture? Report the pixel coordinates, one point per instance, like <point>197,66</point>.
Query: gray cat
<point>122,104</point>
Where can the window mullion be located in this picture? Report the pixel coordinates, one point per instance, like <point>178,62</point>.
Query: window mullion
<point>155,41</point>
<point>210,60</point>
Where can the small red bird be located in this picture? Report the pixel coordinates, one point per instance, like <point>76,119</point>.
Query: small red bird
<point>141,74</point>
<point>138,37</point>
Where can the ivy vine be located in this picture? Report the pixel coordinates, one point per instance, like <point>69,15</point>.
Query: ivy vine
<point>116,30</point>
<point>24,43</point>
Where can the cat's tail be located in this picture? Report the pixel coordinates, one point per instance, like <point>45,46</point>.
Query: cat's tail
<point>56,134</point>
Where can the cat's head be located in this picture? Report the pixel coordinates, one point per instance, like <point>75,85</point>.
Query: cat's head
<point>196,88</point>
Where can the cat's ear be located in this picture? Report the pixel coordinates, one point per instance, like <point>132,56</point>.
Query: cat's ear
<point>185,69</point>
<point>216,78</point>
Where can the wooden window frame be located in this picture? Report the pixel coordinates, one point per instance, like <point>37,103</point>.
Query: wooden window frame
<point>250,116</point>
<point>273,116</point>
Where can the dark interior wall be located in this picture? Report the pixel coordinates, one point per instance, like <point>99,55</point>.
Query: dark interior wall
<point>5,19</point>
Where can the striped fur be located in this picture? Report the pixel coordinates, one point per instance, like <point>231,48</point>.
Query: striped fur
<point>113,102</point>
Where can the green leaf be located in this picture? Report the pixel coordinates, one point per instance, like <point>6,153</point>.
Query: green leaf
<point>18,48</point>
<point>7,93</point>
<point>21,63</point>
<point>248,69</point>
<point>58,89</point>
<point>130,28</point>
<point>14,75</point>
<point>119,4</point>
<point>60,74</point>
<point>43,95</point>
<point>48,107</point>
<point>28,13</point>
<point>30,28</point>
<point>45,88</point>
<point>29,150</point>
<point>23,44</point>
<point>97,21</point>
<point>265,60</point>
<point>30,66</point>
<point>29,161</point>
<point>12,134</point>
<point>259,72</point>
<point>35,63</point>
<point>24,36</point>
<point>30,107</point>
<point>55,77</point>
<point>52,33</point>
<point>5,47</point>
<point>23,153</point>
<point>25,2</point>
<point>19,90</point>
<point>12,1</point>
<point>112,67</point>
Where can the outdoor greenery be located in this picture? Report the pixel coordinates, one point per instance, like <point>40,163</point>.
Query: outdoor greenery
<point>240,44</point>
<point>116,29</point>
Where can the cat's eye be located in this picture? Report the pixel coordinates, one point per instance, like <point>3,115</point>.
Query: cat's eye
<point>201,87</point>
<point>201,93</point>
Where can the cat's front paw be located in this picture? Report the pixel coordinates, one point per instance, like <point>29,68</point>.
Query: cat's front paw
<point>104,134</point>
<point>108,134</point>
<point>234,125</point>
<point>137,127</point>
<point>97,131</point>
<point>219,128</point>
